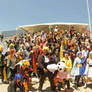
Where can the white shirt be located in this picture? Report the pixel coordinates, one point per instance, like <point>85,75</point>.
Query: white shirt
<point>85,53</point>
<point>46,59</point>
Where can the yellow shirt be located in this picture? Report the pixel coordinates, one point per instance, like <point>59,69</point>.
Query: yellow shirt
<point>68,63</point>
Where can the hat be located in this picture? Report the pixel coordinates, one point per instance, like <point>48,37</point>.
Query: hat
<point>45,48</point>
<point>11,45</point>
<point>18,76</point>
<point>26,63</point>
<point>78,53</point>
<point>61,65</point>
<point>37,46</point>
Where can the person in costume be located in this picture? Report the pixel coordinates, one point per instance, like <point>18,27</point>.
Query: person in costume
<point>85,52</point>
<point>11,62</point>
<point>55,56</point>
<point>72,53</point>
<point>54,59</point>
<point>82,69</point>
<point>88,71</point>
<point>23,52</point>
<point>76,69</point>
<point>19,56</point>
<point>62,77</point>
<point>66,42</point>
<point>1,63</point>
<point>67,61</point>
<point>60,70</point>
<point>25,70</point>
<point>17,84</point>
<point>44,60</point>
<point>56,29</point>
<point>68,64</point>
<point>19,59</point>
<point>34,55</point>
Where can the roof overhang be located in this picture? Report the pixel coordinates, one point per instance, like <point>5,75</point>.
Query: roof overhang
<point>46,26</point>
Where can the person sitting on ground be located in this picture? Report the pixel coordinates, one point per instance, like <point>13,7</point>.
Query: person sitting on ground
<point>26,71</point>
<point>17,84</point>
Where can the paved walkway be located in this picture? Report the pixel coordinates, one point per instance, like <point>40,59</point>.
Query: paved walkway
<point>46,88</point>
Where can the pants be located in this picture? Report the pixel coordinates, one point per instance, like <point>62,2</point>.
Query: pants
<point>43,77</point>
<point>13,72</point>
<point>1,70</point>
<point>67,82</point>
<point>77,79</point>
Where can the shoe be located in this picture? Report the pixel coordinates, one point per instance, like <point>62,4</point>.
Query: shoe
<point>53,89</point>
<point>40,89</point>
<point>85,86</point>
<point>6,82</point>
<point>76,87</point>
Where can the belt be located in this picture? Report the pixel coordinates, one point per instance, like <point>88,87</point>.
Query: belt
<point>79,65</point>
<point>90,65</point>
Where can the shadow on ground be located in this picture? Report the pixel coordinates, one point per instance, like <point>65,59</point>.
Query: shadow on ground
<point>49,90</point>
<point>89,85</point>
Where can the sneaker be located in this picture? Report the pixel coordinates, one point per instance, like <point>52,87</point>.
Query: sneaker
<point>76,87</point>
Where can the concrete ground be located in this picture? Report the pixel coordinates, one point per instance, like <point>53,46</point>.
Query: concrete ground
<point>46,88</point>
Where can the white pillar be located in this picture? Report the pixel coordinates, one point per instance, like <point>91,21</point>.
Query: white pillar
<point>17,31</point>
<point>89,21</point>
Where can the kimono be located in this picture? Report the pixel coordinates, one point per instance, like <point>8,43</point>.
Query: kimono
<point>76,70</point>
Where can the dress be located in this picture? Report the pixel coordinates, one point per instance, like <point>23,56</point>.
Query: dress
<point>63,75</point>
<point>82,69</point>
<point>68,64</point>
<point>76,70</point>
<point>89,69</point>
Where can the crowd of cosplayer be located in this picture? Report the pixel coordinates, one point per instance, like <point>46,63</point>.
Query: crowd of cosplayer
<point>29,54</point>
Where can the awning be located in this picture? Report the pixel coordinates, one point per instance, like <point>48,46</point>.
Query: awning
<point>47,26</point>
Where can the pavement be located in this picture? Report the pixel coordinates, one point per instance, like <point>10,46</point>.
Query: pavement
<point>46,88</point>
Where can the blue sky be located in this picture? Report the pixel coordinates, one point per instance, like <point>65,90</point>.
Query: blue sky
<point>15,13</point>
